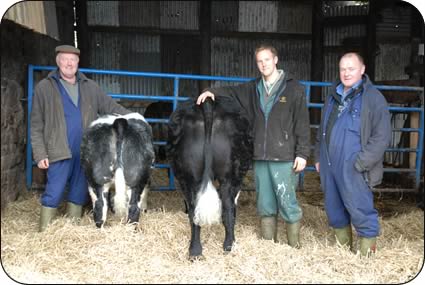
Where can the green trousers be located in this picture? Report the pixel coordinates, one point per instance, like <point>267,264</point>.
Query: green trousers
<point>276,183</point>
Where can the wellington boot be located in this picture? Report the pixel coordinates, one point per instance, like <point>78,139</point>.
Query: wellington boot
<point>367,246</point>
<point>269,228</point>
<point>344,236</point>
<point>46,216</point>
<point>293,234</point>
<point>74,211</point>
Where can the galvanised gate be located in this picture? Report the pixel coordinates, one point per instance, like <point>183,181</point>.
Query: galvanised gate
<point>175,99</point>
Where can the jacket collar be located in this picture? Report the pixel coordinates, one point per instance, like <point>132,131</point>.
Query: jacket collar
<point>359,88</point>
<point>55,74</point>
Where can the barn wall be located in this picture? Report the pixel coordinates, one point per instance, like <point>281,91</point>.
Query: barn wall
<point>34,48</point>
<point>235,57</point>
<point>37,15</point>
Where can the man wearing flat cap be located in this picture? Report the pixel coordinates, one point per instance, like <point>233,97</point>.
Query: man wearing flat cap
<point>64,104</point>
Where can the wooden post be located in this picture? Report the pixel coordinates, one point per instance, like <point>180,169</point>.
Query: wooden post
<point>205,32</point>
<point>82,32</point>
<point>316,57</point>
<point>414,123</point>
<point>371,40</point>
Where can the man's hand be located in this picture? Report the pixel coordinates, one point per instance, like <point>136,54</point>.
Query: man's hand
<point>204,96</point>
<point>43,164</point>
<point>299,164</point>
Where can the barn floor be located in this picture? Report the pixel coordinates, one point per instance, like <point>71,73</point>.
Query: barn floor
<point>157,250</point>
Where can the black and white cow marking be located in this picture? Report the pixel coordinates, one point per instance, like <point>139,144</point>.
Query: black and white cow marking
<point>117,150</point>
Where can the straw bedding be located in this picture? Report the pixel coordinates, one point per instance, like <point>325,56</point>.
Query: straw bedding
<point>156,251</point>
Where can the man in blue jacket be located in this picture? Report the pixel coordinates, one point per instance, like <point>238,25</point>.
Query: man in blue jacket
<point>354,132</point>
<point>277,108</point>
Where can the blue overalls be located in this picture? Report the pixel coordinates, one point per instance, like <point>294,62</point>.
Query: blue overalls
<point>348,198</point>
<point>69,170</point>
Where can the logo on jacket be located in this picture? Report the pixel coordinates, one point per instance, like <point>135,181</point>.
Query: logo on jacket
<point>282,99</point>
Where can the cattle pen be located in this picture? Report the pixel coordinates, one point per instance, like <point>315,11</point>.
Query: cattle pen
<point>416,146</point>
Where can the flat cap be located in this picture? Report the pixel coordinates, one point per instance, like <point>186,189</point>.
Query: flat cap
<point>67,49</point>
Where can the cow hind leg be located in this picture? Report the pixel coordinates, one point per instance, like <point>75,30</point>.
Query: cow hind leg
<point>134,205</point>
<point>195,247</point>
<point>99,196</point>
<point>228,215</point>
<point>143,205</point>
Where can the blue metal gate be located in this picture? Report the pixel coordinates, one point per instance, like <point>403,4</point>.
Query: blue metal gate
<point>175,98</point>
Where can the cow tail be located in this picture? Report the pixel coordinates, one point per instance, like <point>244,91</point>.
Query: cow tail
<point>120,198</point>
<point>208,203</point>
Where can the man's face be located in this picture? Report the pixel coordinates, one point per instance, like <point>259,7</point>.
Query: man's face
<point>67,63</point>
<point>350,70</point>
<point>266,62</point>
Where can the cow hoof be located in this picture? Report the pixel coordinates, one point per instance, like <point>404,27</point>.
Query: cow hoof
<point>227,249</point>
<point>194,258</point>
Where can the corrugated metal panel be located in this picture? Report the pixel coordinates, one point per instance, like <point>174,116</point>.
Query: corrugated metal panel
<point>331,66</point>
<point>392,60</point>
<point>258,16</point>
<point>345,8</point>
<point>330,71</point>
<point>179,15</point>
<point>224,15</point>
<point>139,13</point>
<point>235,57</point>
<point>334,36</point>
<point>37,15</point>
<point>181,54</point>
<point>128,52</point>
<point>395,22</point>
<point>102,13</point>
<point>294,17</point>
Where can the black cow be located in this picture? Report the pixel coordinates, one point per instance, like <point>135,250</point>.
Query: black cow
<point>209,143</point>
<point>118,151</point>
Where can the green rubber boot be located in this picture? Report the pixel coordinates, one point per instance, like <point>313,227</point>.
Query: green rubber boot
<point>367,246</point>
<point>344,236</point>
<point>46,216</point>
<point>293,234</point>
<point>74,211</point>
<point>269,228</point>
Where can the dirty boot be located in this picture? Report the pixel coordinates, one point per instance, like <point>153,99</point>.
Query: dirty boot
<point>344,236</point>
<point>74,211</point>
<point>46,216</point>
<point>269,228</point>
<point>293,234</point>
<point>367,246</point>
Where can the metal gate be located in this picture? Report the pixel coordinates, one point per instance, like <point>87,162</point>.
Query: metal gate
<point>175,99</point>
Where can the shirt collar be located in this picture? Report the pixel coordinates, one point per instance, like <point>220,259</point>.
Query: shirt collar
<point>269,87</point>
<point>340,89</point>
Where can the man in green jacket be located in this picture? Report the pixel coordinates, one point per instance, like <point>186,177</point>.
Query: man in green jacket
<point>277,108</point>
<point>64,104</point>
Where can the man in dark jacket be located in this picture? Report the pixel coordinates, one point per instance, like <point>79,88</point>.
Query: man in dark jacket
<point>277,108</point>
<point>354,132</point>
<point>64,104</point>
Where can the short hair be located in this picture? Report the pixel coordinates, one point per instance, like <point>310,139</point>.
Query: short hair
<point>352,53</point>
<point>265,46</point>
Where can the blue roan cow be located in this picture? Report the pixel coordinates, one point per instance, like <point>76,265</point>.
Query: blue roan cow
<point>207,143</point>
<point>118,151</point>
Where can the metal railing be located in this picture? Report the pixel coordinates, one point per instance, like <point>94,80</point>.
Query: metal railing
<point>175,98</point>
